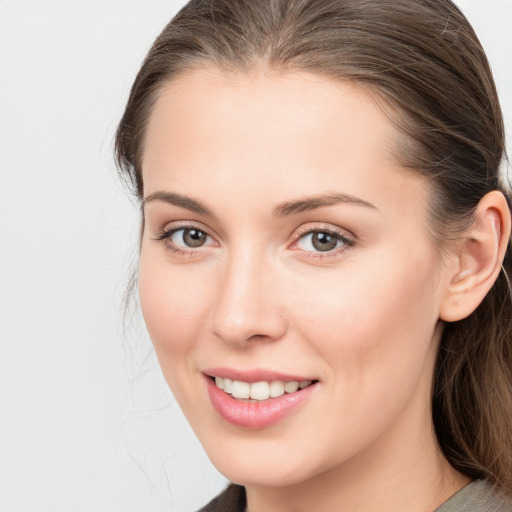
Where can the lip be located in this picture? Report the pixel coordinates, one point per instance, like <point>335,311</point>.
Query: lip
<point>256,375</point>
<point>256,415</point>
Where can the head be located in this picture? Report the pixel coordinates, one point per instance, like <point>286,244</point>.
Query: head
<point>243,115</point>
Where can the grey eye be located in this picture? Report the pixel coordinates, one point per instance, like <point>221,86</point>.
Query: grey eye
<point>324,241</point>
<point>186,239</point>
<point>192,237</point>
<point>321,241</point>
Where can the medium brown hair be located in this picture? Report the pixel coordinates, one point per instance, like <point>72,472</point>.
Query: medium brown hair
<point>422,58</point>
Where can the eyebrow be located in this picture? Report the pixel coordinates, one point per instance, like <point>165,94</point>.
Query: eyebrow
<point>178,200</point>
<point>282,210</point>
<point>314,202</point>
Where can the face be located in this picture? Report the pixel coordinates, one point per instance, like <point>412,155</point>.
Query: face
<point>284,247</point>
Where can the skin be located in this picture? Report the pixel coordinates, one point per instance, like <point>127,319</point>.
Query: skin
<point>363,319</point>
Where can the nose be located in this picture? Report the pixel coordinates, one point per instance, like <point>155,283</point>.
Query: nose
<point>247,306</point>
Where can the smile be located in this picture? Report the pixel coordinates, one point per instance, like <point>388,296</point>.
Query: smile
<point>257,399</point>
<point>259,391</point>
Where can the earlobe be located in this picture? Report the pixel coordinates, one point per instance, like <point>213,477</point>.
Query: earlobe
<point>478,258</point>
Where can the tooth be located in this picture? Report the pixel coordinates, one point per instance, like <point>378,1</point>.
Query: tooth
<point>241,389</point>
<point>291,387</point>
<point>260,390</point>
<point>276,388</point>
<point>228,385</point>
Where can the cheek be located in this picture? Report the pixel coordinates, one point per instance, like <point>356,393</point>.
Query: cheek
<point>367,322</point>
<point>173,303</point>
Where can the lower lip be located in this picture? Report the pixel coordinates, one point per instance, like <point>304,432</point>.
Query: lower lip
<point>256,414</point>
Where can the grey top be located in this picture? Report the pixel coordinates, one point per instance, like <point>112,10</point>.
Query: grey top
<point>477,496</point>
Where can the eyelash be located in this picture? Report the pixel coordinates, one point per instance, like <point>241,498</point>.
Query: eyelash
<point>166,234</point>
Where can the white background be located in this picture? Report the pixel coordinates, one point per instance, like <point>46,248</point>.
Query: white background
<point>77,431</point>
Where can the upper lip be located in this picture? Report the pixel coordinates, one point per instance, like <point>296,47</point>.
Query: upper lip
<point>254,375</point>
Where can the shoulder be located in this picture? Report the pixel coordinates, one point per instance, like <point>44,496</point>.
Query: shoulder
<point>477,496</point>
<point>231,500</point>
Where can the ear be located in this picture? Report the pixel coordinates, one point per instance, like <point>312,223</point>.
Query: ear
<point>477,258</point>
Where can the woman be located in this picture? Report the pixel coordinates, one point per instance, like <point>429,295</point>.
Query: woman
<point>325,251</point>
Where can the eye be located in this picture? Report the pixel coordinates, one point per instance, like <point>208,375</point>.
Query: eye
<point>189,237</point>
<point>182,239</point>
<point>322,241</point>
<point>318,241</point>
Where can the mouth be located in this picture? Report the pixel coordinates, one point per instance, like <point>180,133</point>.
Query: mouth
<point>261,390</point>
<point>257,399</point>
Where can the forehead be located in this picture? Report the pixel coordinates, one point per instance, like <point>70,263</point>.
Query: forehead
<point>267,131</point>
<point>211,105</point>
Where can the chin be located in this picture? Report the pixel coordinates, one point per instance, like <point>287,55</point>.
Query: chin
<point>276,475</point>
<point>261,466</point>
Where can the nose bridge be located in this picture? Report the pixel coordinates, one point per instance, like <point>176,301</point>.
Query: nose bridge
<point>245,307</point>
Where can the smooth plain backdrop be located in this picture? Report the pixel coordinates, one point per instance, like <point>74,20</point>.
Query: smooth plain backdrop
<point>86,421</point>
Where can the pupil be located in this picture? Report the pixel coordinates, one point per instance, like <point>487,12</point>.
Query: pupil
<point>324,242</point>
<point>194,237</point>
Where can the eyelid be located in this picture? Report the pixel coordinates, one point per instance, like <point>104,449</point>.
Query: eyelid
<point>308,227</point>
<point>316,227</point>
<point>181,224</point>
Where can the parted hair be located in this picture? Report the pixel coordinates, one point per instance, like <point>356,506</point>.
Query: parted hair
<point>423,62</point>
